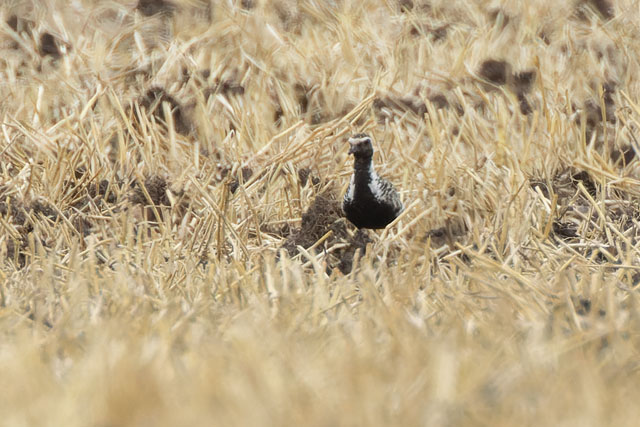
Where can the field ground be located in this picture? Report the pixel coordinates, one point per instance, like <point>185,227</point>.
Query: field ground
<point>173,251</point>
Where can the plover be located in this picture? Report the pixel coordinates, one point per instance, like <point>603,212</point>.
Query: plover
<point>370,201</point>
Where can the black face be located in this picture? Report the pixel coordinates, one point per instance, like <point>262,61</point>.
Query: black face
<point>361,146</point>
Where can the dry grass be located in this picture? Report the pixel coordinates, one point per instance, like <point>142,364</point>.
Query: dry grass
<point>156,160</point>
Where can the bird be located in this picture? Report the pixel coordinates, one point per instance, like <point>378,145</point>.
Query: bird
<point>370,201</point>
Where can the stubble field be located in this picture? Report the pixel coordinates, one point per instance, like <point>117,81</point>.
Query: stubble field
<point>172,246</point>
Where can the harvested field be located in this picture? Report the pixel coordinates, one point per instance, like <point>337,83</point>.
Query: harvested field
<point>173,250</point>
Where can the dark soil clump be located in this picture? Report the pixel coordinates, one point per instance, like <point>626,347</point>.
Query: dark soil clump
<point>520,83</point>
<point>324,215</point>
<point>565,185</point>
<point>497,72</point>
<point>49,46</point>
<point>156,186</point>
<point>309,103</point>
<point>248,4</point>
<point>246,173</point>
<point>565,230</point>
<point>439,101</point>
<point>229,87</point>
<point>154,7</point>
<point>303,177</point>
<point>544,189</point>
<point>586,180</point>
<point>45,209</point>
<point>405,5</point>
<point>523,81</point>
<point>523,103</point>
<point>593,114</point>
<point>453,230</point>
<point>603,8</point>
<point>12,22</point>
<point>625,155</point>
<point>436,33</point>
<point>303,93</point>
<point>82,225</point>
<point>404,104</point>
<point>102,190</point>
<point>20,25</point>
<point>18,215</point>
<point>277,115</point>
<point>439,33</point>
<point>358,242</point>
<point>15,251</point>
<point>225,87</point>
<point>152,101</point>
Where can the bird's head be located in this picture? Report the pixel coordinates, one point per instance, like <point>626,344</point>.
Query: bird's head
<point>360,146</point>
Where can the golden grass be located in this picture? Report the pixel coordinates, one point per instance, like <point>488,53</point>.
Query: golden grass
<point>137,289</point>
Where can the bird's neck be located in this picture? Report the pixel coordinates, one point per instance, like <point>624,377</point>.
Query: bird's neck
<point>363,165</point>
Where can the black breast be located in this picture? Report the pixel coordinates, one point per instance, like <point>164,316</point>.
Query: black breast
<point>364,211</point>
<point>376,215</point>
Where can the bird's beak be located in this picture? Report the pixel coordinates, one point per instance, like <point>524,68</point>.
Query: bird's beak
<point>352,147</point>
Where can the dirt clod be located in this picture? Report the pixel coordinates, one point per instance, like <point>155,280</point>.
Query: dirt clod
<point>439,101</point>
<point>82,225</point>
<point>523,81</point>
<point>245,173</point>
<point>324,215</point>
<point>12,22</point>
<point>42,207</point>
<point>16,210</point>
<point>523,103</point>
<point>248,4</point>
<point>437,33</point>
<point>154,7</point>
<point>152,101</point>
<point>15,251</point>
<point>49,46</point>
<point>303,177</point>
<point>452,231</point>
<point>226,88</point>
<point>495,71</point>
<point>564,229</point>
<point>625,155</point>
<point>156,187</point>
<point>357,243</point>
<point>407,103</point>
<point>303,93</point>
<point>587,182</point>
<point>20,25</point>
<point>603,8</point>
<point>405,5</point>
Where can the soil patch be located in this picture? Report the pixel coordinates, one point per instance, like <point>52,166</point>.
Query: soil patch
<point>156,187</point>
<point>49,46</point>
<point>497,72</point>
<point>403,104</point>
<point>324,215</point>
<point>603,8</point>
<point>246,173</point>
<point>155,7</point>
<point>152,102</point>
